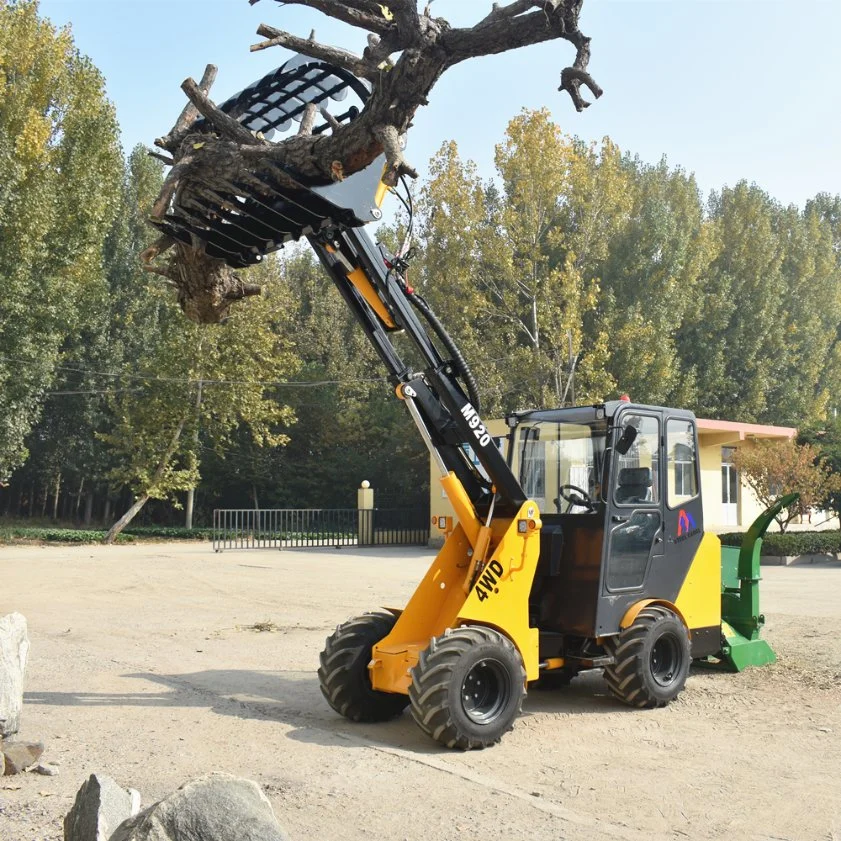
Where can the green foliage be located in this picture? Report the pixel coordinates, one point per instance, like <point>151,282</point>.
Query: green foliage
<point>775,468</point>
<point>825,437</point>
<point>60,160</point>
<point>792,543</point>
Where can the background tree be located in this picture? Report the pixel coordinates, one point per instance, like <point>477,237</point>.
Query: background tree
<point>61,165</point>
<point>775,468</point>
<point>650,279</point>
<point>194,377</point>
<point>825,437</point>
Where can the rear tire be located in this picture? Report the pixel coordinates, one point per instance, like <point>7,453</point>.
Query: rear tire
<point>651,659</point>
<point>468,687</point>
<point>343,673</point>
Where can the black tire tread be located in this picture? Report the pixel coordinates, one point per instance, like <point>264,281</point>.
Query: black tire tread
<point>341,677</point>
<point>432,678</point>
<point>624,677</point>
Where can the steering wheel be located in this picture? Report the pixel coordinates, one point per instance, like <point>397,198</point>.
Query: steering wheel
<point>580,497</point>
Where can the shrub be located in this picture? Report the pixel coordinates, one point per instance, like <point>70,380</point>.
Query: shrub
<point>792,543</point>
<point>170,532</point>
<point>10,534</point>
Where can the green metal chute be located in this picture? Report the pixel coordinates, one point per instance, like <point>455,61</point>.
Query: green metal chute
<point>741,618</point>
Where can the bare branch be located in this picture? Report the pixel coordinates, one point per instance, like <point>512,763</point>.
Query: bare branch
<point>308,119</point>
<point>348,60</point>
<point>390,139</point>
<point>363,15</point>
<point>165,158</point>
<point>225,125</point>
<point>571,81</point>
<point>189,115</point>
<point>244,290</point>
<point>163,273</point>
<point>331,120</point>
<point>169,186</point>
<point>512,10</point>
<point>159,246</point>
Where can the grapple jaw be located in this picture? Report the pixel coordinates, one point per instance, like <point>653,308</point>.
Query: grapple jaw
<point>242,221</point>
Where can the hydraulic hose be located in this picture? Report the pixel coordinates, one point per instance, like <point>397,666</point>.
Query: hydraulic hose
<point>460,363</point>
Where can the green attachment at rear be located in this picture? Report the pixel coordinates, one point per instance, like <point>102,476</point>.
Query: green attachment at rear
<point>741,618</point>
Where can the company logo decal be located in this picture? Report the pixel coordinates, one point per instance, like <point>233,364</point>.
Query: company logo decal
<point>686,526</point>
<point>685,522</point>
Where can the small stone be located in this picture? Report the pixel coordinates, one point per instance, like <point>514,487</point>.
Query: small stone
<point>21,755</point>
<point>45,770</point>
<point>45,793</point>
<point>825,729</point>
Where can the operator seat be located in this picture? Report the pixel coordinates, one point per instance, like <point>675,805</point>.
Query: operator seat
<point>634,485</point>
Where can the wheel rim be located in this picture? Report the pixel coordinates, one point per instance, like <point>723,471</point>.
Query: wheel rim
<point>485,691</point>
<point>665,660</point>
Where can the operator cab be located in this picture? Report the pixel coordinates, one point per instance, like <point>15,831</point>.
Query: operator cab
<point>618,488</point>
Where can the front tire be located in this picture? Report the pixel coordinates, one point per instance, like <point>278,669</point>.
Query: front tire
<point>468,687</point>
<point>343,673</point>
<point>651,659</point>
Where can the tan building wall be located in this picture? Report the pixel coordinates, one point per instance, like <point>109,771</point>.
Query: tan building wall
<point>713,437</point>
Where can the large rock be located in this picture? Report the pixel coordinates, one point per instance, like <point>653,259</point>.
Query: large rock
<point>14,649</point>
<point>100,807</point>
<point>19,756</point>
<point>216,807</point>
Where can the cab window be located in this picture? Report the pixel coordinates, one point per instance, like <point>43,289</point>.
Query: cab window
<point>682,462</point>
<point>638,462</point>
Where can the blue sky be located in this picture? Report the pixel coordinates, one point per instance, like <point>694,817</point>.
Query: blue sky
<point>727,89</point>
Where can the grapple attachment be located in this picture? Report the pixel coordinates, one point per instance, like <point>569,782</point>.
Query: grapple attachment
<point>247,218</point>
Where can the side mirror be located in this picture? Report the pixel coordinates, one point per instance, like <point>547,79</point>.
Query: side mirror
<point>625,442</point>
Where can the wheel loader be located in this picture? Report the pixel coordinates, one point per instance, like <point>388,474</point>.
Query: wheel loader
<point>578,541</point>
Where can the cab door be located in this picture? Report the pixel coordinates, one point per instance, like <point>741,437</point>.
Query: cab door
<point>635,520</point>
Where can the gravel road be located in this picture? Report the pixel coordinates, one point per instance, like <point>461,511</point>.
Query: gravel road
<point>148,663</point>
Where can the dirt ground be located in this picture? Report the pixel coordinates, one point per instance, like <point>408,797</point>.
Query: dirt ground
<point>145,665</point>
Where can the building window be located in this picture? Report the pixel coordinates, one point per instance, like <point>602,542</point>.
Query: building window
<point>682,462</point>
<point>729,488</point>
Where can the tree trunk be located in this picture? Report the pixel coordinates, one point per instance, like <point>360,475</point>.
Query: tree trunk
<point>88,508</point>
<point>191,494</point>
<point>44,499</point>
<point>115,530</point>
<point>78,499</point>
<point>31,501</point>
<point>254,494</point>
<point>188,508</point>
<point>56,493</point>
<point>126,518</point>
<point>106,514</point>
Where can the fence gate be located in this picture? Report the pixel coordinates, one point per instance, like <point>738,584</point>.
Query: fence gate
<point>281,528</point>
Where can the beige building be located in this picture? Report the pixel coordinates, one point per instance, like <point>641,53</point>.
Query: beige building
<point>729,504</point>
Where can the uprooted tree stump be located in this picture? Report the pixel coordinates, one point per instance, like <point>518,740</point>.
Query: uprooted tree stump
<point>215,159</point>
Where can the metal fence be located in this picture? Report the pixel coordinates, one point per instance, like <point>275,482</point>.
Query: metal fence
<point>280,528</point>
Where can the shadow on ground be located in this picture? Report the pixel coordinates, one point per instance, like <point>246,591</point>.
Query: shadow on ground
<point>294,698</point>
